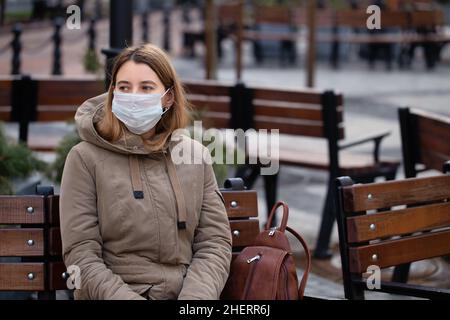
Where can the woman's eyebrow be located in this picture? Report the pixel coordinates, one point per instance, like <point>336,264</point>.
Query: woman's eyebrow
<point>123,82</point>
<point>148,81</point>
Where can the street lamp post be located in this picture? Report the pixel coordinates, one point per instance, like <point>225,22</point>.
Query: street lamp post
<point>210,41</point>
<point>120,32</point>
<point>311,53</point>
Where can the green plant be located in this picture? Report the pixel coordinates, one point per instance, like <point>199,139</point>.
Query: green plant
<point>91,62</point>
<point>55,170</point>
<point>16,162</point>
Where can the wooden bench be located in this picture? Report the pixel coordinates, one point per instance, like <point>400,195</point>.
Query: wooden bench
<point>402,28</point>
<point>30,238</point>
<point>297,113</point>
<point>371,217</point>
<point>273,24</point>
<point>280,18</point>
<point>425,139</point>
<point>25,100</point>
<point>227,15</point>
<point>33,235</point>
<point>425,147</point>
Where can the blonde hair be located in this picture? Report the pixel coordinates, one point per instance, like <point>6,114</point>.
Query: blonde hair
<point>111,129</point>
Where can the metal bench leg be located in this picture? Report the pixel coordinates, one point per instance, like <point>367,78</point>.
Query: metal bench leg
<point>270,186</point>
<point>389,53</point>
<point>248,173</point>
<point>401,273</point>
<point>328,216</point>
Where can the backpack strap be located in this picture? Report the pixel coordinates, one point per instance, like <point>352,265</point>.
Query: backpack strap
<point>301,288</point>
<point>283,220</point>
<point>283,226</point>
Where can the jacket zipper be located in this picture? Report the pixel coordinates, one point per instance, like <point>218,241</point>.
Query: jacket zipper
<point>254,262</point>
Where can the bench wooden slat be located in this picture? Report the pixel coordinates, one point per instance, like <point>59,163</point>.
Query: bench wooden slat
<point>291,110</point>
<point>14,276</point>
<point>431,123</point>
<point>5,92</point>
<point>55,115</point>
<point>208,88</point>
<point>305,96</point>
<point>272,14</point>
<point>13,210</point>
<point>393,38</point>
<point>61,91</point>
<point>324,17</point>
<point>395,19</point>
<point>351,18</point>
<point>246,203</point>
<point>433,160</point>
<point>272,109</point>
<point>437,144</point>
<point>433,136</point>
<point>304,128</point>
<point>269,36</point>
<point>5,113</point>
<point>214,103</point>
<point>310,129</point>
<point>398,222</point>
<point>248,230</point>
<point>358,19</point>
<point>13,242</point>
<point>427,18</point>
<point>228,13</point>
<point>395,252</point>
<point>393,193</point>
<point>215,120</point>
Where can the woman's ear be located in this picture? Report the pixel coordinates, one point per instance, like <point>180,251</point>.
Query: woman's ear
<point>168,99</point>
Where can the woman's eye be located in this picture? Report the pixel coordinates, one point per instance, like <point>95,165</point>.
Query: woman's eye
<point>123,88</point>
<point>147,88</point>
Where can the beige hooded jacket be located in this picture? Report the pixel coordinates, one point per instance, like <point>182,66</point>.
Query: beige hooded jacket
<point>137,225</point>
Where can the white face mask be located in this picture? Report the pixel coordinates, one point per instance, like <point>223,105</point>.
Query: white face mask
<point>139,112</point>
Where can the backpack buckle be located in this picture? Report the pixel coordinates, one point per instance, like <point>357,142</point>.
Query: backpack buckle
<point>272,231</point>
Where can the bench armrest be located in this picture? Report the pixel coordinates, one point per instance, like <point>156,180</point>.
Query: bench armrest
<point>376,138</point>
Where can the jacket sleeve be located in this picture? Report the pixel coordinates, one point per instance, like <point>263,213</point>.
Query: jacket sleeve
<point>210,266</point>
<point>81,239</point>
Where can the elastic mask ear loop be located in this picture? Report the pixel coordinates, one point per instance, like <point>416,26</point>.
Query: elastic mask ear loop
<point>165,109</point>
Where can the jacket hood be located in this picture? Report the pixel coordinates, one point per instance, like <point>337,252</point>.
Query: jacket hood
<point>91,112</point>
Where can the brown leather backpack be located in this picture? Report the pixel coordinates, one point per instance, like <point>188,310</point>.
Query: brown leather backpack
<point>266,270</point>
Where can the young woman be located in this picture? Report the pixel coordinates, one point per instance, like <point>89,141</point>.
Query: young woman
<point>136,225</point>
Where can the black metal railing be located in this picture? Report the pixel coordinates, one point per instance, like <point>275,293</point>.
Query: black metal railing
<point>20,48</point>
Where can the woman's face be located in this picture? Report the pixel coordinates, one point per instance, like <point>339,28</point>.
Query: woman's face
<point>139,78</point>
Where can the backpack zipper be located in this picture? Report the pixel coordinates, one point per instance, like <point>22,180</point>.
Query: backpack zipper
<point>251,273</point>
<point>257,257</point>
